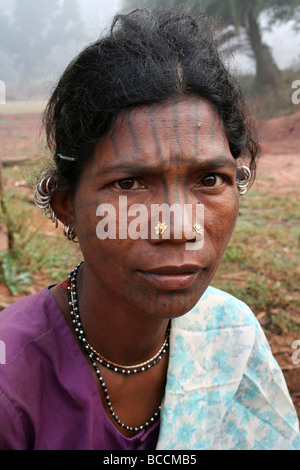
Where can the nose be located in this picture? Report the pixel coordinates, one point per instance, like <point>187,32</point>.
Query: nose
<point>178,223</point>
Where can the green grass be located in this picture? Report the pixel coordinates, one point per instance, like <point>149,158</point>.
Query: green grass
<point>261,263</point>
<point>34,251</point>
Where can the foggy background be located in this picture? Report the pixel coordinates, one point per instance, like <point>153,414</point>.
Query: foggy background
<point>39,38</point>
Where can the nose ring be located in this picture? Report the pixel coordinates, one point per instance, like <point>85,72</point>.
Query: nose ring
<point>198,229</point>
<point>160,228</point>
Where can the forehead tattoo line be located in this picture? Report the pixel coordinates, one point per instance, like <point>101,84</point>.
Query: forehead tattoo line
<point>153,122</point>
<point>190,112</point>
<point>133,167</point>
<point>175,121</point>
<point>129,115</point>
<point>114,144</point>
<point>176,118</point>
<point>152,119</point>
<point>196,127</point>
<point>212,131</point>
<point>218,122</point>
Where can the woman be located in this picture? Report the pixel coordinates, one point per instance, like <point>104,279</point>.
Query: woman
<point>134,350</point>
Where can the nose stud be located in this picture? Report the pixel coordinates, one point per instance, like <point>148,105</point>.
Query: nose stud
<point>198,229</point>
<point>160,228</point>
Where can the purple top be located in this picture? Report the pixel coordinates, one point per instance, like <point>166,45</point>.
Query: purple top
<point>49,399</point>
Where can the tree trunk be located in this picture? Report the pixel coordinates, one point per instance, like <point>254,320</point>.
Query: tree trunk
<point>267,72</point>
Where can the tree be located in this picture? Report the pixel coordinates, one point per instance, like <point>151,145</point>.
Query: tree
<point>244,16</point>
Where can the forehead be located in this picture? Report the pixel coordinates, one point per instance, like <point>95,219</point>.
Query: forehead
<point>180,129</point>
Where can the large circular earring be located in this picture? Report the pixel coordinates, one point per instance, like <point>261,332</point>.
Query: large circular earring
<point>243,179</point>
<point>42,196</point>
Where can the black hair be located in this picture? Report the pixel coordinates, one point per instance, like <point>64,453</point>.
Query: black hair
<point>147,56</point>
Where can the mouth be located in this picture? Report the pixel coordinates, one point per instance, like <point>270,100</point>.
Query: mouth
<point>171,277</point>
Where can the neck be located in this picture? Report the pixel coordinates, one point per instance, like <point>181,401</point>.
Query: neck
<point>119,332</point>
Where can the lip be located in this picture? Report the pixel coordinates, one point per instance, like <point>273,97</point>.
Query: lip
<point>171,277</point>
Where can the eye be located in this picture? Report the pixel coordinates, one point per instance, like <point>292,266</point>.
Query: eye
<point>211,181</point>
<point>127,183</point>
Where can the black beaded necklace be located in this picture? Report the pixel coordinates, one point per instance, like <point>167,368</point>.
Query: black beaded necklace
<point>95,356</point>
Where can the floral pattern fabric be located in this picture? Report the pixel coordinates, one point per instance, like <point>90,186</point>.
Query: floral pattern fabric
<point>224,388</point>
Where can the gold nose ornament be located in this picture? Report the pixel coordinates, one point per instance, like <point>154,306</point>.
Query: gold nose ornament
<point>160,228</point>
<point>198,229</point>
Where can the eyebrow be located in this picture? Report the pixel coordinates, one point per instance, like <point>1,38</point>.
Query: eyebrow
<point>134,168</point>
<point>214,163</point>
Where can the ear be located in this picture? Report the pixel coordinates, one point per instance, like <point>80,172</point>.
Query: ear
<point>63,207</point>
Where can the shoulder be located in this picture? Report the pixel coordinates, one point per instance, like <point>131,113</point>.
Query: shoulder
<point>26,320</point>
<point>229,330</point>
<point>215,338</point>
<point>224,388</point>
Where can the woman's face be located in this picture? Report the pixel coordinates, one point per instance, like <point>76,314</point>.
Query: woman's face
<point>174,153</point>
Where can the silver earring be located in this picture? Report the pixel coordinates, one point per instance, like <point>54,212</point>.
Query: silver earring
<point>68,232</point>
<point>42,197</point>
<point>243,179</point>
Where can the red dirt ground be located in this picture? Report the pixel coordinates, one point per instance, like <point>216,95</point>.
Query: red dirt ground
<point>278,172</point>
